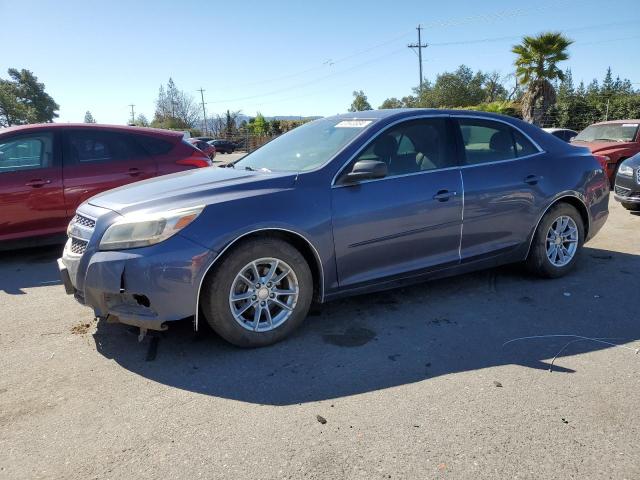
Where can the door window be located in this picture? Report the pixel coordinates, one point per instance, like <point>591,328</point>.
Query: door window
<point>97,146</point>
<point>26,152</point>
<point>412,147</point>
<point>488,141</point>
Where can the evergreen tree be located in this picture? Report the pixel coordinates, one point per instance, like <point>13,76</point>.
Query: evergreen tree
<point>88,118</point>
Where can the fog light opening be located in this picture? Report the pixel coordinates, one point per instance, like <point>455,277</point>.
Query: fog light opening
<point>142,300</point>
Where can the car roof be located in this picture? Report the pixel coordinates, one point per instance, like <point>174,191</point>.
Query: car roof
<point>406,112</point>
<point>34,127</point>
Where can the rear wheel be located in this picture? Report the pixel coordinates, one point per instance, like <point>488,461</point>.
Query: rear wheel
<point>557,242</point>
<point>259,294</point>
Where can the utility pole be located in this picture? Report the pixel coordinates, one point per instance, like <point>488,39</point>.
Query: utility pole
<point>133,114</point>
<point>606,115</point>
<point>419,46</point>
<point>204,112</point>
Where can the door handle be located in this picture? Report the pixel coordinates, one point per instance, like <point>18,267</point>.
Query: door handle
<point>134,172</point>
<point>444,195</point>
<point>532,179</point>
<point>37,183</point>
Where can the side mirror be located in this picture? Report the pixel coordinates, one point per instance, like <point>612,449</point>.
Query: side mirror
<point>366,170</point>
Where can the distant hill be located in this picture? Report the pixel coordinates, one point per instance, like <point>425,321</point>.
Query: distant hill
<point>246,118</point>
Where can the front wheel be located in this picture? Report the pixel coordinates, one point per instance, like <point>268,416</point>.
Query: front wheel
<point>259,293</point>
<point>557,242</point>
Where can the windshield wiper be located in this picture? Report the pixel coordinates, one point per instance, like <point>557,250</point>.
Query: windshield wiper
<point>261,169</point>
<point>607,140</point>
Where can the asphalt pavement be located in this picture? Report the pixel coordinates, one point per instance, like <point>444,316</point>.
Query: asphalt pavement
<point>438,380</point>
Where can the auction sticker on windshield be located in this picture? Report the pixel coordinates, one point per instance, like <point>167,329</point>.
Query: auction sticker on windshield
<point>353,124</point>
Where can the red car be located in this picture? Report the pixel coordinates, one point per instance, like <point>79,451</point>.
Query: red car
<point>47,170</point>
<point>611,142</point>
<point>208,149</point>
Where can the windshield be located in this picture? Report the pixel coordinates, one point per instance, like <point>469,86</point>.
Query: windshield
<point>608,132</point>
<point>306,147</point>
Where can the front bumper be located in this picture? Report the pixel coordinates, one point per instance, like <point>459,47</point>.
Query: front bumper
<point>627,188</point>
<point>145,287</point>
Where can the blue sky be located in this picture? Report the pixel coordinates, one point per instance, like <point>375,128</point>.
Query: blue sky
<point>289,57</point>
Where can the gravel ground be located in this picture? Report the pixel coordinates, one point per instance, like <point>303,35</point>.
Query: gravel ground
<point>411,383</point>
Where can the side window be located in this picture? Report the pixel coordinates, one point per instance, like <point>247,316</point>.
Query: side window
<point>26,152</point>
<point>488,141</point>
<point>87,146</point>
<point>154,146</point>
<point>413,146</point>
<point>523,146</point>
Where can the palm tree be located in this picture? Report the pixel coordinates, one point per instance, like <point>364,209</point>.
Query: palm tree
<point>536,67</point>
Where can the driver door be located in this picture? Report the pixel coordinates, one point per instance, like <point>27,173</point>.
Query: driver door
<point>408,221</point>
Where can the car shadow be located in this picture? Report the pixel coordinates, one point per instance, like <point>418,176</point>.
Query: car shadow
<point>407,335</point>
<point>28,268</point>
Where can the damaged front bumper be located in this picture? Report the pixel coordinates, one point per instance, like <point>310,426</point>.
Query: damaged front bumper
<point>143,287</point>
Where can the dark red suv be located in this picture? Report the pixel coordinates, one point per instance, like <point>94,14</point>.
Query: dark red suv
<point>47,170</point>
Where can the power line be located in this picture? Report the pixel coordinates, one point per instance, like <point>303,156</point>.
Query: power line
<point>448,23</point>
<point>204,112</point>
<point>133,114</point>
<point>518,37</point>
<point>316,80</point>
<point>419,46</point>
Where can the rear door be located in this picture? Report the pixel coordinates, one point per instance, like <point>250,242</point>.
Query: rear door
<point>96,160</point>
<point>31,198</point>
<point>502,174</point>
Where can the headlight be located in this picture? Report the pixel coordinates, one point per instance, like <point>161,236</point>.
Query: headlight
<point>625,170</point>
<point>133,231</point>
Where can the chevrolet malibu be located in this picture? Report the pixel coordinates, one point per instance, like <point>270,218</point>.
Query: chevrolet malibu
<point>345,205</point>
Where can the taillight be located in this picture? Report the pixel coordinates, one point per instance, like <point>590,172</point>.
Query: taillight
<point>197,157</point>
<point>195,161</point>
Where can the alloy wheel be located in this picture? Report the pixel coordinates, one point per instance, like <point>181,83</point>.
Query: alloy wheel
<point>263,294</point>
<point>562,241</point>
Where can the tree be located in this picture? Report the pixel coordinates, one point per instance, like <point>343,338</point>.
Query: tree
<point>231,123</point>
<point>141,121</point>
<point>360,102</point>
<point>23,100</point>
<point>259,125</point>
<point>175,109</point>
<point>88,118</point>
<point>392,102</point>
<point>460,88</point>
<point>494,90</point>
<point>537,67</point>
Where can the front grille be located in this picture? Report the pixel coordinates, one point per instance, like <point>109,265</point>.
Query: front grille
<point>623,192</point>
<point>638,175</point>
<point>84,221</point>
<point>78,246</point>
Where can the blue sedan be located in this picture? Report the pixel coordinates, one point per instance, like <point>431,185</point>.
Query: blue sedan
<point>344,205</point>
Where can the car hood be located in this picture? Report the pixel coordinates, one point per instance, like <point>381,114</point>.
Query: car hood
<point>201,186</point>
<point>598,147</point>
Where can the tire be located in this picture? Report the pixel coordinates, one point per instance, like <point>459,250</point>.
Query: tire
<point>539,261</point>
<point>272,325</point>
<point>632,207</point>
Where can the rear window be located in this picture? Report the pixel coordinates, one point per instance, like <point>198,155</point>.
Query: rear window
<point>153,145</point>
